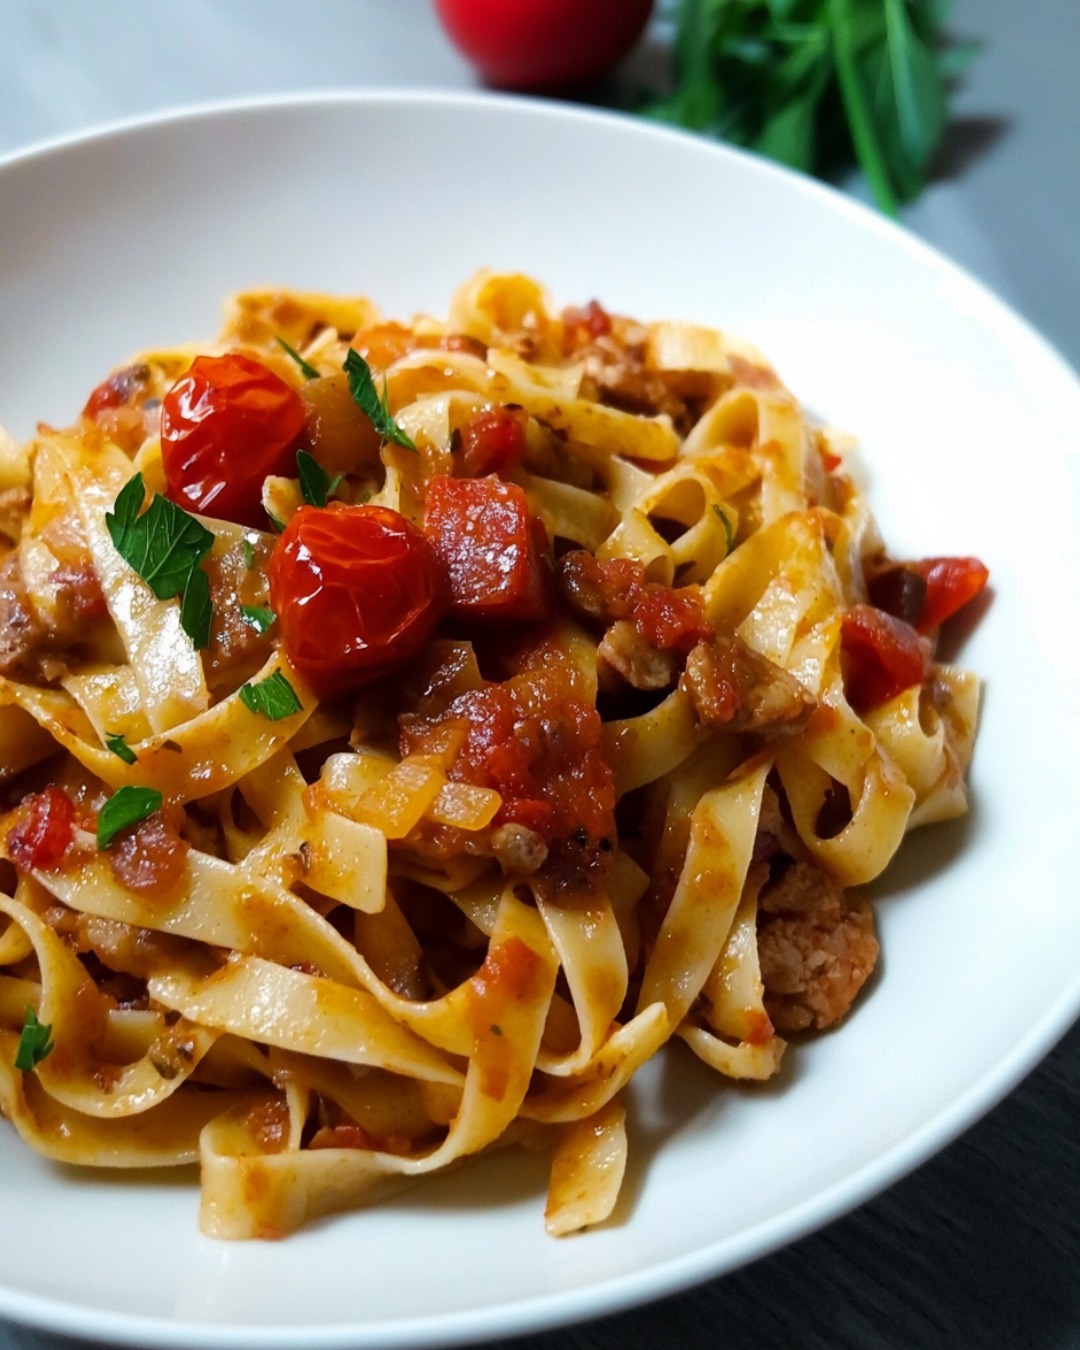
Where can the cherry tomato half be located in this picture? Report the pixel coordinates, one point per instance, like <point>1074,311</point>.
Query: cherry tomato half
<point>529,44</point>
<point>357,591</point>
<point>225,426</point>
<point>950,584</point>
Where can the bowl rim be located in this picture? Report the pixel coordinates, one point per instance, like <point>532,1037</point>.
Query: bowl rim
<point>675,1274</point>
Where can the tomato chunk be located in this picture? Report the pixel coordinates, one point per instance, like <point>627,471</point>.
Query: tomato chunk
<point>44,832</point>
<point>883,656</point>
<point>225,427</point>
<point>491,442</point>
<point>357,591</point>
<point>494,551</point>
<point>951,583</point>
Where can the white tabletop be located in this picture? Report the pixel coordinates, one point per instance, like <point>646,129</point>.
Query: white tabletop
<point>979,1248</point>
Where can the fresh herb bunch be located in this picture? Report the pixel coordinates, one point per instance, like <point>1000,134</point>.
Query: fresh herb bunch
<point>815,83</point>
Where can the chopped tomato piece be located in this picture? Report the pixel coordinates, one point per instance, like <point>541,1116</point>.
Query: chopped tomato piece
<point>491,442</point>
<point>883,656</point>
<point>950,584</point>
<point>493,550</point>
<point>44,832</point>
<point>582,326</point>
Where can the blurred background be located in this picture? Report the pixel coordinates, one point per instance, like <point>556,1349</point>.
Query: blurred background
<point>980,1247</point>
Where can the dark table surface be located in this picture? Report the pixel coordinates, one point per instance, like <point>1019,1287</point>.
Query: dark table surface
<point>980,1246</point>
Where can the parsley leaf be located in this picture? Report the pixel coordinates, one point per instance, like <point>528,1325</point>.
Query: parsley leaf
<point>306,368</point>
<point>115,742</point>
<point>818,83</point>
<point>34,1043</point>
<point>259,619</point>
<point>127,806</point>
<point>165,546</point>
<point>316,485</point>
<point>272,698</point>
<point>276,523</point>
<point>729,534</point>
<point>371,403</point>
<point>249,553</point>
<point>196,608</point>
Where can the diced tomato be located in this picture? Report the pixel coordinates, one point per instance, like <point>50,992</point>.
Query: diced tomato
<point>670,619</point>
<point>120,388</point>
<point>951,583</point>
<point>582,326</point>
<point>44,831</point>
<point>493,550</point>
<point>491,442</point>
<point>883,656</point>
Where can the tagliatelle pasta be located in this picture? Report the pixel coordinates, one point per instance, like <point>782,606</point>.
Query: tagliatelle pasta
<point>409,729</point>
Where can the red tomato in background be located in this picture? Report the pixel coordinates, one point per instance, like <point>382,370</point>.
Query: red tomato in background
<point>529,44</point>
<point>225,426</point>
<point>357,591</point>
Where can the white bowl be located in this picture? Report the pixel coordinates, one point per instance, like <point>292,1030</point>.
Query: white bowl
<point>968,424</point>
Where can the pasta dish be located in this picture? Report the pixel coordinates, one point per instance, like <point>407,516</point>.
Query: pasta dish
<point>408,729</point>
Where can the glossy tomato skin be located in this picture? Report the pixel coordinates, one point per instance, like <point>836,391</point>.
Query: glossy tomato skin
<point>883,656</point>
<point>44,831</point>
<point>533,44</point>
<point>226,426</point>
<point>357,591</point>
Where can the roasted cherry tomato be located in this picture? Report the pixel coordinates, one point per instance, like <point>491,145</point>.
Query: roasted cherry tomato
<point>44,831</point>
<point>950,584</point>
<point>883,656</point>
<point>529,44</point>
<point>225,426</point>
<point>357,591</point>
<point>493,550</point>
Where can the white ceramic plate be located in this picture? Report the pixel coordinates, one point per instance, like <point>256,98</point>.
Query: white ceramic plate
<point>968,424</point>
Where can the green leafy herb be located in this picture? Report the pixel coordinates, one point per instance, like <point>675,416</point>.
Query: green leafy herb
<point>196,608</point>
<point>729,534</point>
<point>316,485</point>
<point>816,83</point>
<point>276,523</point>
<point>249,553</point>
<point>371,403</point>
<point>34,1043</point>
<point>306,368</point>
<point>115,742</point>
<point>127,806</point>
<point>165,546</point>
<point>260,619</point>
<point>273,698</point>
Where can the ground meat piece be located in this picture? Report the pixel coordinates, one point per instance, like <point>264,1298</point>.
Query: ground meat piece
<point>237,648</point>
<point>518,848</point>
<point>623,651</point>
<point>669,618</point>
<point>151,857</point>
<point>735,687</point>
<point>816,946</point>
<point>613,350</point>
<point>22,632</point>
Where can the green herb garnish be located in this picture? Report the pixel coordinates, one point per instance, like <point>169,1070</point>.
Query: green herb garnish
<point>249,552</point>
<point>306,368</point>
<point>276,523</point>
<point>260,619</point>
<point>817,83</point>
<point>127,806</point>
<point>34,1043</point>
<point>272,698</point>
<point>373,405</point>
<point>165,546</point>
<point>115,742</point>
<point>316,485</point>
<point>729,534</point>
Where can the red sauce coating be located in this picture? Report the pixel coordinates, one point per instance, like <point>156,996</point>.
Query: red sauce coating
<point>44,831</point>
